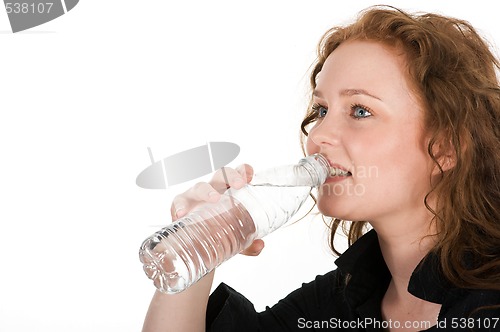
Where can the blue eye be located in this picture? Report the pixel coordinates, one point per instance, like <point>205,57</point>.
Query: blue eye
<point>320,110</point>
<point>360,111</point>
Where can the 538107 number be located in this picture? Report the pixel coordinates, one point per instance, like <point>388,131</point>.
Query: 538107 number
<point>28,8</point>
<point>475,323</point>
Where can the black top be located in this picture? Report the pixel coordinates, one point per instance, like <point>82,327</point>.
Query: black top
<point>350,297</point>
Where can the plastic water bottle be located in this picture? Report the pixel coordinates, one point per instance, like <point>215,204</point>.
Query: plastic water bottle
<point>180,254</point>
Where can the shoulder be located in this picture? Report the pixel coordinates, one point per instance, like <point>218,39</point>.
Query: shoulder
<point>471,310</point>
<point>322,297</point>
<point>313,301</point>
<point>316,302</point>
<point>472,304</point>
<point>475,298</point>
<point>320,289</point>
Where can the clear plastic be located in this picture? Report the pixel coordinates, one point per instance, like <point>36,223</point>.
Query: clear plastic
<point>180,254</point>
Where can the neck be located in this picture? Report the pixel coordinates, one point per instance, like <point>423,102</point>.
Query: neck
<point>404,243</point>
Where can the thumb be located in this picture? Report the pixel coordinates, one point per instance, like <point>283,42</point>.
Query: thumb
<point>254,249</point>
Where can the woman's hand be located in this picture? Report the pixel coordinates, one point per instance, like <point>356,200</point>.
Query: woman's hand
<point>211,192</point>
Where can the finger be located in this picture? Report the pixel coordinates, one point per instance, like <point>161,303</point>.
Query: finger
<point>254,249</point>
<point>179,207</point>
<point>246,172</point>
<point>200,192</point>
<point>203,192</point>
<point>210,192</point>
<point>225,178</point>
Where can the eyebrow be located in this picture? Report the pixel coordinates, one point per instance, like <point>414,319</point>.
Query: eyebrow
<point>348,92</point>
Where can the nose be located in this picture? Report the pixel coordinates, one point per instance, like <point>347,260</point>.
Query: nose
<point>326,132</point>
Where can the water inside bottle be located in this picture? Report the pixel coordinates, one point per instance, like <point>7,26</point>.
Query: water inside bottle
<point>182,253</point>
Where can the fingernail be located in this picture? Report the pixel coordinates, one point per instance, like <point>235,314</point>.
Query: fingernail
<point>212,194</point>
<point>180,212</point>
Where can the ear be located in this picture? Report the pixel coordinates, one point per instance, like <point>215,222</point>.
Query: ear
<point>447,161</point>
<point>445,156</point>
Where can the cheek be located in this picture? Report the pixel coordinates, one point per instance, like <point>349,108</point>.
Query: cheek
<point>406,165</point>
<point>393,158</point>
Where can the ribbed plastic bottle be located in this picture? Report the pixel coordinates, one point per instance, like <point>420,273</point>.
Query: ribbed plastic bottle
<point>180,254</point>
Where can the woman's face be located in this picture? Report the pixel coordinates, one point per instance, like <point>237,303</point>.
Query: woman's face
<point>370,124</point>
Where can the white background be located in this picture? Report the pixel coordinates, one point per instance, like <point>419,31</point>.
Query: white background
<point>81,99</point>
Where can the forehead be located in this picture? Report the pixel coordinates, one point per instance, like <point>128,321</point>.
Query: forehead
<point>369,63</point>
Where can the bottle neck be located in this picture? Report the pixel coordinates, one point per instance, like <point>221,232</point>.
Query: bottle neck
<point>318,168</point>
<point>310,171</point>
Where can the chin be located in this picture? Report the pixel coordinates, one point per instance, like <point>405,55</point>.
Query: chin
<point>328,210</point>
<point>335,211</point>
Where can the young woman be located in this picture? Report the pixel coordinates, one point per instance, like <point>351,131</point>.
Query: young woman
<point>415,98</point>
